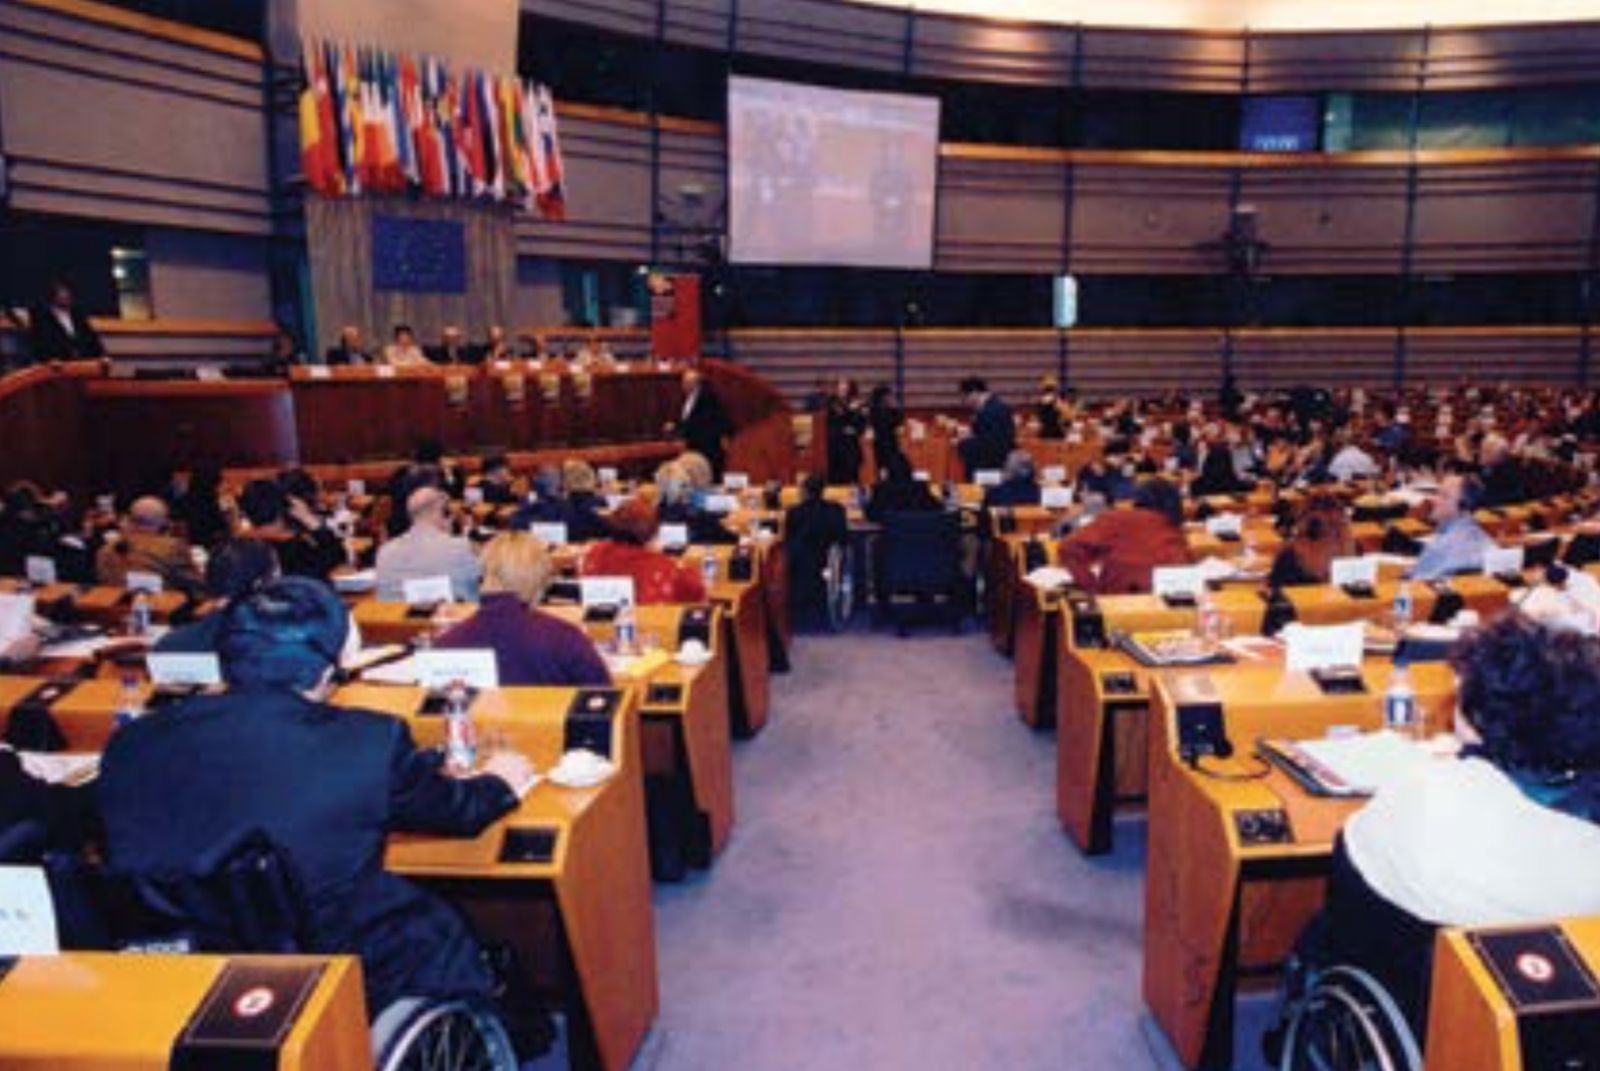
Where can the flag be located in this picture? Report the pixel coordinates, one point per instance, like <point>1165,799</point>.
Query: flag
<point>469,132</point>
<point>315,139</point>
<point>489,139</point>
<point>409,111</point>
<point>349,83</point>
<point>553,199</point>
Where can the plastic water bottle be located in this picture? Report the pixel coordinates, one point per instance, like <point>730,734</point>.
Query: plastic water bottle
<point>461,738</point>
<point>1403,606</point>
<point>1400,704</point>
<point>708,567</point>
<point>1209,618</point>
<point>627,629</point>
<point>130,703</point>
<point>139,615</point>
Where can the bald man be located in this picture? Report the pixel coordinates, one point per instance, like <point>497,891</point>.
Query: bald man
<point>144,544</point>
<point>427,549</point>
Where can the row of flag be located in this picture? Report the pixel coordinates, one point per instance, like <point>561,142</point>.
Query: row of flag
<point>377,122</point>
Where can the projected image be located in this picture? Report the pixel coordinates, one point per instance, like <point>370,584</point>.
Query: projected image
<point>829,176</point>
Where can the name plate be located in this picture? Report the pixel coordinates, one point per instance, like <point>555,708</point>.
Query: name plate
<point>1503,561</point>
<point>385,371</point>
<point>606,474</point>
<point>720,504</point>
<point>988,477</point>
<point>183,669</point>
<point>438,668</point>
<point>605,591</point>
<point>736,481</point>
<point>1055,497</point>
<point>1177,581</point>
<point>40,570</point>
<point>356,488</point>
<point>674,535</point>
<point>1316,647</point>
<point>319,371</point>
<point>1225,525</point>
<point>472,496</point>
<point>139,580</point>
<point>424,590</point>
<point>1353,572</point>
<point>1055,474</point>
<point>27,914</point>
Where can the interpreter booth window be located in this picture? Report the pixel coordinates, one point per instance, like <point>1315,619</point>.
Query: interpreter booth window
<point>601,294</point>
<point>36,249</point>
<point>130,275</point>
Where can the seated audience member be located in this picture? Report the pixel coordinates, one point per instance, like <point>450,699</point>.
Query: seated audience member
<point>348,350</point>
<point>1350,462</point>
<point>427,549</point>
<point>1115,553</point>
<point>496,481</point>
<point>496,346</point>
<point>199,508</point>
<point>899,491</point>
<point>546,506</point>
<point>531,647</point>
<point>404,352</point>
<point>144,545</point>
<point>1217,474</point>
<point>584,503</point>
<point>1458,541</point>
<point>1047,411</point>
<point>811,529</point>
<point>1106,477</point>
<point>19,651</point>
<point>28,528</point>
<point>37,816</point>
<point>301,539</point>
<point>1503,834</point>
<point>1019,487</point>
<point>233,572</point>
<point>1503,484</point>
<point>676,505</point>
<point>1321,534</point>
<point>283,353</point>
<point>993,433</point>
<point>59,329</point>
<point>452,348</point>
<point>657,578</point>
<point>325,785</point>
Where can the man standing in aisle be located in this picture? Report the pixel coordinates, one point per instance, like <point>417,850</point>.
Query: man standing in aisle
<point>993,434</point>
<point>704,423</point>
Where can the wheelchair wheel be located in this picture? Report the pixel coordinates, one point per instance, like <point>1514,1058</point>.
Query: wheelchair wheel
<point>414,1034</point>
<point>839,585</point>
<point>1348,1022</point>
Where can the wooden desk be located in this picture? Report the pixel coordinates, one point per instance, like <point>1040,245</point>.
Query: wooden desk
<point>97,603</point>
<point>746,636</point>
<point>580,919</point>
<point>99,1011</point>
<point>1218,901</point>
<point>1471,1022</point>
<point>393,622</point>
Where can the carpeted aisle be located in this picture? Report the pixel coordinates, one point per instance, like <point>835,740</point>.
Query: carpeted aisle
<point>897,893</point>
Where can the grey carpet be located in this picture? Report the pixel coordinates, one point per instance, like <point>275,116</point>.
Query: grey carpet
<point>897,892</point>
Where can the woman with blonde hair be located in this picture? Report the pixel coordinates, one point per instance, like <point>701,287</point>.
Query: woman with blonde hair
<point>531,647</point>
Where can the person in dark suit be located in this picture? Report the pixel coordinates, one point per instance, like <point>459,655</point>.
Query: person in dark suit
<point>325,785</point>
<point>811,529</point>
<point>899,492</point>
<point>885,419</point>
<point>58,330</point>
<point>846,422</point>
<point>1047,410</point>
<point>36,816</point>
<point>993,434</point>
<point>704,423</point>
<point>348,350</point>
<point>453,349</point>
<point>237,568</point>
<point>1020,486</point>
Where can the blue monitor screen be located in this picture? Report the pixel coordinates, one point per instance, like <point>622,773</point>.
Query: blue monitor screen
<point>1280,124</point>
<point>419,256</point>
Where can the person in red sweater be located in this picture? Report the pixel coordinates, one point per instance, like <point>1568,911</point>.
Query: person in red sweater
<point>656,577</point>
<point>1115,553</point>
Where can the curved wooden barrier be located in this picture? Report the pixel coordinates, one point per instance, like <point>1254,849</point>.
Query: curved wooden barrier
<point>763,442</point>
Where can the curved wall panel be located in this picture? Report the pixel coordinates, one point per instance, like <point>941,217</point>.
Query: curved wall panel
<point>1000,215</point>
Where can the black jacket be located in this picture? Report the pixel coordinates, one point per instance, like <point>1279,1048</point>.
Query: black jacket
<point>326,786</point>
<point>994,435</point>
<point>706,425</point>
<point>48,341</point>
<point>60,817</point>
<point>809,531</point>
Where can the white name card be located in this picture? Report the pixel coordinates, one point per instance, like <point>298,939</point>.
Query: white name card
<point>183,669</point>
<point>319,371</point>
<point>736,481</point>
<point>39,569</point>
<point>1347,572</point>
<point>1309,647</point>
<point>721,504</point>
<point>674,535</point>
<point>426,589</point>
<point>386,371</point>
<point>605,590</point>
<point>1055,474</point>
<point>1055,497</point>
<point>16,617</point>
<point>606,474</point>
<point>988,477</point>
<point>356,488</point>
<point>138,580</point>
<point>1168,581</point>
<point>27,914</point>
<point>1502,561</point>
<point>440,667</point>
<point>473,497</point>
<point>551,533</point>
<point>1225,524</point>
<point>922,476</point>
<point>208,373</point>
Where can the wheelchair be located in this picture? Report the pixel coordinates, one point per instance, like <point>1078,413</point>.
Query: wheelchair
<point>248,902</point>
<point>1344,1020</point>
<point>839,587</point>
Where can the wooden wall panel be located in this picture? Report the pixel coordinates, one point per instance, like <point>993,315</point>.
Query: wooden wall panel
<point>608,206</point>
<point>108,122</point>
<point>702,23</point>
<point>42,413</point>
<point>1329,219</point>
<point>1011,361</point>
<point>997,215</point>
<point>1274,359</point>
<point>690,161</point>
<point>1517,216</point>
<point>822,31</point>
<point>1102,363</point>
<point>1195,62</point>
<point>792,360</point>
<point>978,50</point>
<point>1516,355</point>
<point>636,17</point>
<point>1308,62</point>
<point>1483,57</point>
<point>1148,220</point>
